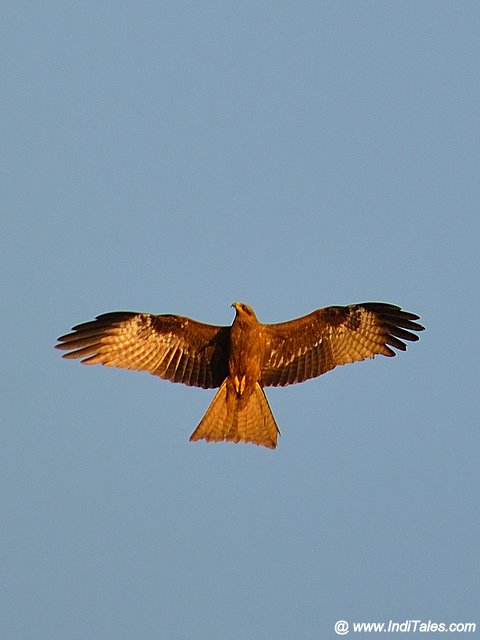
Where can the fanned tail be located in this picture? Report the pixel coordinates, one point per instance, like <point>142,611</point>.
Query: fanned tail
<point>238,419</point>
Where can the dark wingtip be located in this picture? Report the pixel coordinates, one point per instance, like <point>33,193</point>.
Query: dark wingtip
<point>400,324</point>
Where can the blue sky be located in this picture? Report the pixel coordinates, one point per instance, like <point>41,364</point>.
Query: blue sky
<point>173,157</point>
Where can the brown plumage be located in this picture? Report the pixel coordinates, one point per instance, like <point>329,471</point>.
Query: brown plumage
<point>243,358</point>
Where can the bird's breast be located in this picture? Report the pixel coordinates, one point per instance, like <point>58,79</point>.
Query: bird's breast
<point>245,358</point>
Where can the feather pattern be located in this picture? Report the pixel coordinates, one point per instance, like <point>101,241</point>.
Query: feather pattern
<point>316,343</point>
<point>172,347</point>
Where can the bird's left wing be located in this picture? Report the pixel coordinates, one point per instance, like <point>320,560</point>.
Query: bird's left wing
<point>172,347</point>
<point>306,347</point>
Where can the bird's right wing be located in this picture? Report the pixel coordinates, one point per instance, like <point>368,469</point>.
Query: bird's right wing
<point>172,347</point>
<point>306,347</point>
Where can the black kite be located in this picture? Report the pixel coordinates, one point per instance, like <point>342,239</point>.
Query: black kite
<point>243,358</point>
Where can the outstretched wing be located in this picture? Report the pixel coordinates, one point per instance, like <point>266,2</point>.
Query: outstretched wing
<point>172,347</point>
<point>309,346</point>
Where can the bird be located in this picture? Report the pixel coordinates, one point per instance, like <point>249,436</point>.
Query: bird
<point>242,359</point>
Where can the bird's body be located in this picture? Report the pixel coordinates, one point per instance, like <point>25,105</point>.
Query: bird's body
<point>241,359</point>
<point>240,410</point>
<point>244,365</point>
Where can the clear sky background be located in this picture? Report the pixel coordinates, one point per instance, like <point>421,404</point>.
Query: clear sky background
<point>173,157</point>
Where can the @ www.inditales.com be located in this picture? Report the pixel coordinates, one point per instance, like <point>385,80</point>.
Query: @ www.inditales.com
<point>342,627</point>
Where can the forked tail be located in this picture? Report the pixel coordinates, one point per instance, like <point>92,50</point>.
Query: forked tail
<point>238,419</point>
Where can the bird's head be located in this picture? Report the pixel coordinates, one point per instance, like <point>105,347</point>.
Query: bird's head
<point>243,310</point>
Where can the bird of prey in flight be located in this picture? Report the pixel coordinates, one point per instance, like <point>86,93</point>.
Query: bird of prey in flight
<point>242,358</point>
